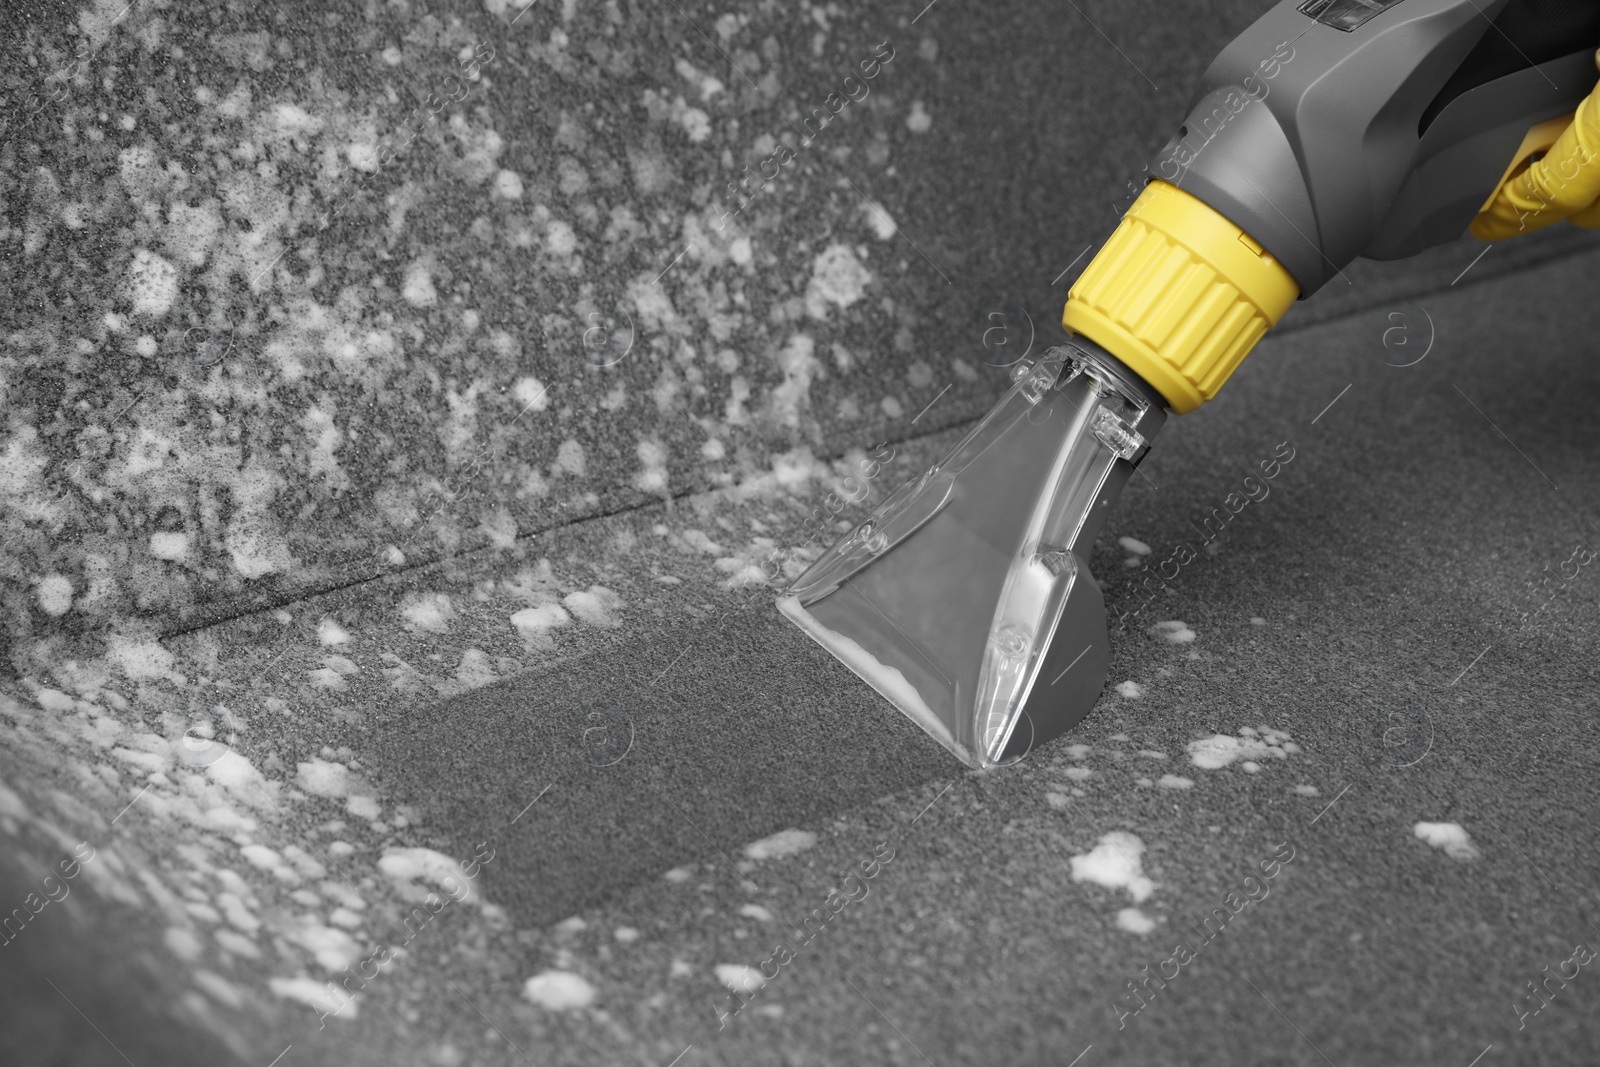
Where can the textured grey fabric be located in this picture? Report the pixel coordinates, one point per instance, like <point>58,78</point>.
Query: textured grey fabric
<point>572,668</point>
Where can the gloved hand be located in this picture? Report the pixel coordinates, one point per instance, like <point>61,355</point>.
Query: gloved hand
<point>1562,184</point>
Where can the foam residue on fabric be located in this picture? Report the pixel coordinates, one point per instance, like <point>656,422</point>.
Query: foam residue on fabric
<point>1449,838</point>
<point>1249,746</point>
<point>1115,862</point>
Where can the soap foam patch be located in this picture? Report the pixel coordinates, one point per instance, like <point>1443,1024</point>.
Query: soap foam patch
<point>1115,862</point>
<point>782,843</point>
<point>1248,748</point>
<point>1449,838</point>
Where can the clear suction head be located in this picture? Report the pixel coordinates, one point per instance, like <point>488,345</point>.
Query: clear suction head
<point>965,599</point>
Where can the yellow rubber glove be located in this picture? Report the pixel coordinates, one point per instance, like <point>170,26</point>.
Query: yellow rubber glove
<point>1563,184</point>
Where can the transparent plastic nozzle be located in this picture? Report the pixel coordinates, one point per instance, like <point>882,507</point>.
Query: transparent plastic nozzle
<point>965,598</point>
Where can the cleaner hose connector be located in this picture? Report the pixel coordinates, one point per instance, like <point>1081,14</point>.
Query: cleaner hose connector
<point>1179,294</point>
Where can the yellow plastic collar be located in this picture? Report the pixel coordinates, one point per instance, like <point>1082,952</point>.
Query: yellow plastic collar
<point>1179,294</point>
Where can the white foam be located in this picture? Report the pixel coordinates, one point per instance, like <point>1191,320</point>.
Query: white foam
<point>569,458</point>
<point>363,156</point>
<point>563,240</point>
<point>538,622</point>
<point>838,278</point>
<point>152,283</point>
<point>236,912</point>
<point>1135,921</point>
<point>237,944</point>
<point>407,865</point>
<point>1130,689</point>
<point>652,476</point>
<point>324,778</point>
<point>316,994</point>
<point>1114,863</point>
<point>919,121</point>
<point>698,540</point>
<point>141,659</point>
<point>264,858</point>
<point>798,361</point>
<point>219,988</point>
<point>183,943</point>
<point>882,223</point>
<point>54,595</point>
<point>782,843</point>
<point>508,185</point>
<point>1134,545</point>
<point>363,807</point>
<point>1178,633</point>
<point>326,678</point>
<point>332,949</point>
<point>1449,837</point>
<point>330,632</point>
<point>418,287</point>
<point>558,991</point>
<point>708,85</point>
<point>739,977</point>
<point>594,606</point>
<point>531,394</point>
<point>170,545</point>
<point>1219,750</point>
<point>56,700</point>
<point>430,612</point>
<point>237,775</point>
<point>1175,781</point>
<point>696,123</point>
<point>13,810</point>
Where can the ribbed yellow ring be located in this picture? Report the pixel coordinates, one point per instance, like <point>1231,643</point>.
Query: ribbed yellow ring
<point>1179,294</point>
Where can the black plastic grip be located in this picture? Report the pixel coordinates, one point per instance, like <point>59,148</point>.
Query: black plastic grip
<point>1525,34</point>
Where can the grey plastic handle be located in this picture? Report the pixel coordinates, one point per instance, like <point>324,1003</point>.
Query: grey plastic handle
<point>1309,136</point>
